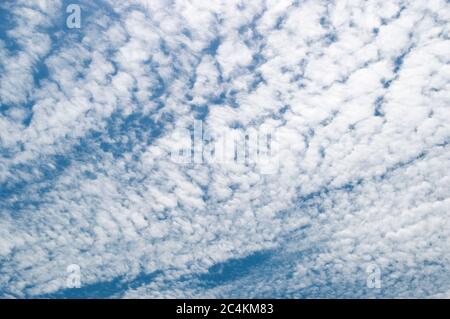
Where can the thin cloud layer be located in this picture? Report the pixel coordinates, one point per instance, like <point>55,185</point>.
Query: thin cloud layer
<point>357,93</point>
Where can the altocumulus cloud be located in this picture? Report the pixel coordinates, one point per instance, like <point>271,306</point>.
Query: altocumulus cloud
<point>358,93</point>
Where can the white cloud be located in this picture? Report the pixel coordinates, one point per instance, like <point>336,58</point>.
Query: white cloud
<point>357,93</point>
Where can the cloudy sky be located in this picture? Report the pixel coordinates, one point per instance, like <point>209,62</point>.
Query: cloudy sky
<point>356,94</point>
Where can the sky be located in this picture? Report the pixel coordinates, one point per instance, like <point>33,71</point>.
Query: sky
<point>99,103</point>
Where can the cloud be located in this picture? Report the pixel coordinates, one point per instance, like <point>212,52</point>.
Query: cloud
<point>356,94</point>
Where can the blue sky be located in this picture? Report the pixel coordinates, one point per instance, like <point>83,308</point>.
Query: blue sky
<point>354,93</point>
